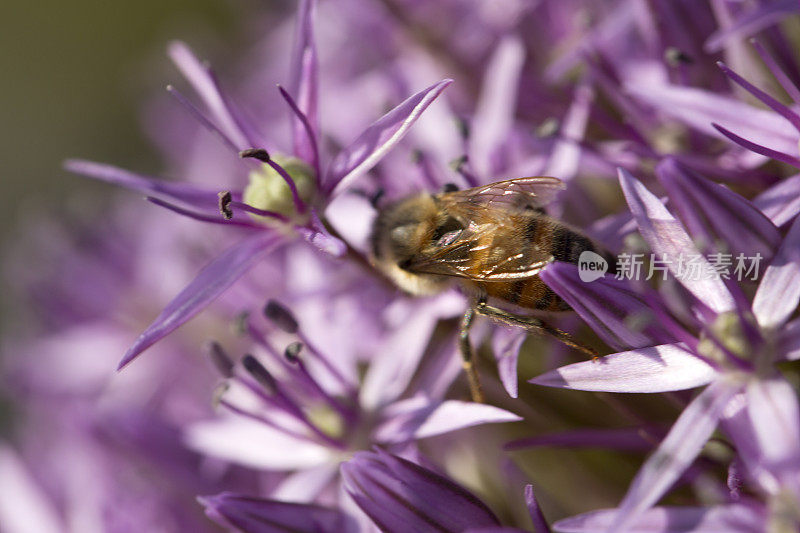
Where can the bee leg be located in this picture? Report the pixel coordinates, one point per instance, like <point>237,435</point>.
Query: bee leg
<point>468,358</point>
<point>533,325</point>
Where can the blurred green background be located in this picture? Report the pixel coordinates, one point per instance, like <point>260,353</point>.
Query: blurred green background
<point>74,78</point>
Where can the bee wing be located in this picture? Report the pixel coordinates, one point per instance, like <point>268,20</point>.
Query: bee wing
<point>458,258</point>
<point>510,195</point>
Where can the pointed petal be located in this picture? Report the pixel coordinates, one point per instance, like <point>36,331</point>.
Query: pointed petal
<point>758,148</point>
<point>252,444</point>
<point>779,290</point>
<point>378,139</point>
<point>506,343</point>
<point>535,511</point>
<point>24,507</point>
<point>699,108</point>
<point>305,485</point>
<point>494,112</point>
<point>678,450</point>
<point>749,23</point>
<point>150,186</point>
<point>781,202</point>
<point>303,83</point>
<point>662,368</point>
<point>203,82</point>
<point>669,240</point>
<point>775,416</point>
<point>729,518</point>
<point>257,515</point>
<point>565,155</point>
<point>628,439</point>
<point>609,306</point>
<point>716,212</point>
<point>424,419</point>
<point>780,108</point>
<point>399,495</point>
<point>397,359</point>
<point>207,286</point>
<point>790,341</point>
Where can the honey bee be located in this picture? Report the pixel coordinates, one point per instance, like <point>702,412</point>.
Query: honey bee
<point>492,241</point>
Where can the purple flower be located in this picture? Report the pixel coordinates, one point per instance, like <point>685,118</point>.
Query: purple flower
<point>257,515</point>
<point>732,353</point>
<point>399,495</point>
<point>285,197</point>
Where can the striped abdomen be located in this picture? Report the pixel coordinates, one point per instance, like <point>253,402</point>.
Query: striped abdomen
<point>532,237</point>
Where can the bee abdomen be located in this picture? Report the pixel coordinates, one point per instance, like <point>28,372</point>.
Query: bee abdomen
<point>567,245</point>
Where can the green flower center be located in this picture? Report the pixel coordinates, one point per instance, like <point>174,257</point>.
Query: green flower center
<point>267,190</point>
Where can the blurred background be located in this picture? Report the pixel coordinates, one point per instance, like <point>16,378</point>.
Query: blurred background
<point>75,77</point>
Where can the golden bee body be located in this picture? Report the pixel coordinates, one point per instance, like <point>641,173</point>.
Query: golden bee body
<point>491,240</point>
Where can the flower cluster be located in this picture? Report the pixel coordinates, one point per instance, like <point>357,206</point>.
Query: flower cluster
<point>328,400</point>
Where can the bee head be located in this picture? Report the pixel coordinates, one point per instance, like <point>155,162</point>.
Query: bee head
<point>402,232</point>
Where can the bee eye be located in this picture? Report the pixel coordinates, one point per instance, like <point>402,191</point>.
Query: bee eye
<point>450,228</point>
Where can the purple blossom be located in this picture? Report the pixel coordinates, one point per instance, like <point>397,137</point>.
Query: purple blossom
<point>731,353</point>
<point>304,216</point>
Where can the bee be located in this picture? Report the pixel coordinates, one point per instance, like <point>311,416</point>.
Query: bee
<point>492,241</point>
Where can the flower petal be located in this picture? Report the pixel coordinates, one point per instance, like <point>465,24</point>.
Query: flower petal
<point>669,240</point>
<point>258,515</point>
<point>207,286</point>
<point>609,306</point>
<point>253,444</point>
<point>506,343</point>
<point>662,368</point>
<point>24,507</point>
<point>379,138</point>
<point>749,23</point>
<point>628,439</point>
<point>716,212</point>
<point>203,82</point>
<point>303,83</point>
<point>416,419</point>
<point>399,496</point>
<point>494,113</point>
<point>535,511</point>
<point>729,518</point>
<point>183,192</point>
<point>775,416</point>
<point>779,290</point>
<point>678,450</point>
<point>698,109</point>
<point>781,202</point>
<point>398,358</point>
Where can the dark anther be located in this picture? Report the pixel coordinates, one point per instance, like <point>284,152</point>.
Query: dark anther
<point>240,324</point>
<point>676,57</point>
<point>292,351</point>
<point>225,199</point>
<point>256,153</point>
<point>450,187</point>
<point>257,370</point>
<point>222,362</point>
<point>417,156</point>
<point>280,316</point>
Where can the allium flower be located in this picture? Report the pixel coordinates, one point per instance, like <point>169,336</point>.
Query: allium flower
<point>735,351</point>
<point>285,196</point>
